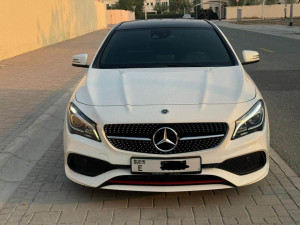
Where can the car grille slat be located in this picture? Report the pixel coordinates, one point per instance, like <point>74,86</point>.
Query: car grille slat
<point>133,132</point>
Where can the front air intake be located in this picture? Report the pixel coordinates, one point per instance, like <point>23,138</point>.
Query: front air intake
<point>244,164</point>
<point>88,166</point>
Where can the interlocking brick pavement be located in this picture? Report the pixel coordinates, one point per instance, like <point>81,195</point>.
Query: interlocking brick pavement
<point>47,196</point>
<point>31,82</point>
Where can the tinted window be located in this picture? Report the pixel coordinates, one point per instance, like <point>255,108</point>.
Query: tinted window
<point>165,47</point>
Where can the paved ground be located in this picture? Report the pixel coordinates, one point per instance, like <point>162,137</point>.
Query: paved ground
<point>46,196</point>
<point>277,30</point>
<point>281,21</point>
<point>31,82</point>
<point>278,77</point>
<point>34,90</point>
<point>43,195</point>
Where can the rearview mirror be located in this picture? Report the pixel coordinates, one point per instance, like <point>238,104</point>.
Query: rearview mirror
<point>250,57</point>
<point>80,60</point>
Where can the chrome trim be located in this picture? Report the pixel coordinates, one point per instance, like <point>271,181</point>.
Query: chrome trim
<point>129,138</point>
<point>201,137</point>
<point>165,139</point>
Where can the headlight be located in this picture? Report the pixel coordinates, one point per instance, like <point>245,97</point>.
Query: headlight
<point>252,121</point>
<point>80,124</point>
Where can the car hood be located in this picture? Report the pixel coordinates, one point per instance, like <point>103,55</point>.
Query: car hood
<point>165,86</point>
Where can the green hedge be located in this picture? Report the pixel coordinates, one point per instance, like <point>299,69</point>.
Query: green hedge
<point>165,15</point>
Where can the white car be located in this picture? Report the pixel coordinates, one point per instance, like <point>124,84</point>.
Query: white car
<point>187,16</point>
<point>166,105</point>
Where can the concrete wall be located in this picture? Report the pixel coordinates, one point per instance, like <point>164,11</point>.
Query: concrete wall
<point>116,16</point>
<point>256,11</point>
<point>30,24</point>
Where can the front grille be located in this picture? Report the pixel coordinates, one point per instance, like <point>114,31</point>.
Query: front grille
<point>139,137</point>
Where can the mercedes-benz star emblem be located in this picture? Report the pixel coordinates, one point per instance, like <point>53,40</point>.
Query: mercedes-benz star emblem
<point>165,139</point>
<point>164,111</point>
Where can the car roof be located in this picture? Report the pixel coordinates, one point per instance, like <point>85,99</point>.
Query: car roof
<point>160,23</point>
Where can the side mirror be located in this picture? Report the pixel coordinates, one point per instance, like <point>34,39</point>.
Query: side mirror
<point>250,57</point>
<point>80,60</point>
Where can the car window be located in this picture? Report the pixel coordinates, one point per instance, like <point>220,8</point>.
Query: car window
<point>165,47</point>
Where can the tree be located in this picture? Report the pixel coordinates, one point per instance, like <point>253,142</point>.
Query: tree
<point>252,2</point>
<point>127,5</point>
<point>180,5</point>
<point>198,10</point>
<point>272,2</point>
<point>161,8</point>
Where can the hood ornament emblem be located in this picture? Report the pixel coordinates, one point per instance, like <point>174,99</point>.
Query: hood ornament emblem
<point>164,111</point>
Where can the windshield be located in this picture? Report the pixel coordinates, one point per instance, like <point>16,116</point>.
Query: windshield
<point>165,47</point>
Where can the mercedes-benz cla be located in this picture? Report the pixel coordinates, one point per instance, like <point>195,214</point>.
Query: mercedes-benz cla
<point>166,105</point>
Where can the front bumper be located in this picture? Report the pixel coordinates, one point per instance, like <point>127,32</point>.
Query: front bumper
<point>229,149</point>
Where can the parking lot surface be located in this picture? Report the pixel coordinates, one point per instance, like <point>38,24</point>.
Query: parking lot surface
<point>42,194</point>
<point>47,196</point>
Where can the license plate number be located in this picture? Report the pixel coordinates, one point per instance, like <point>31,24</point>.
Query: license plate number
<point>172,165</point>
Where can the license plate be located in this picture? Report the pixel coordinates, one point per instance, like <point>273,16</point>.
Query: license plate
<point>163,165</point>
